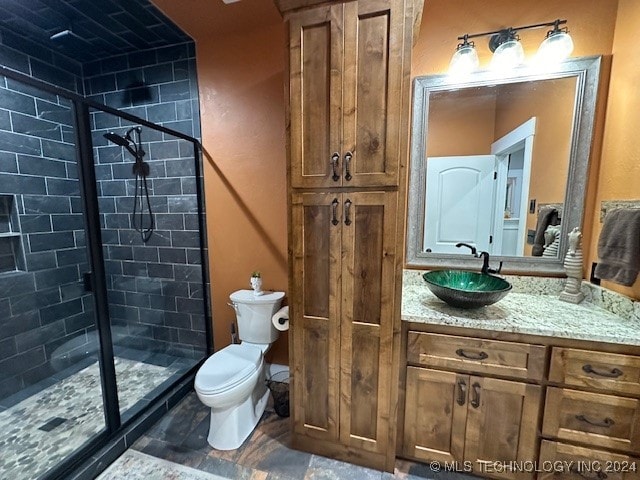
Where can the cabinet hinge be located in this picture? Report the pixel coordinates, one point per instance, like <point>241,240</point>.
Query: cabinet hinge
<point>490,238</point>
<point>495,175</point>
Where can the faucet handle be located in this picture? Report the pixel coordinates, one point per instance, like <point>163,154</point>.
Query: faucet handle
<point>493,270</point>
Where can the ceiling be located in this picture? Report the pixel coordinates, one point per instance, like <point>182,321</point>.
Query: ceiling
<point>101,28</point>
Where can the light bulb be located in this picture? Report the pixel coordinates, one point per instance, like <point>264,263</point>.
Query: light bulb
<point>555,48</point>
<point>464,61</point>
<point>507,55</point>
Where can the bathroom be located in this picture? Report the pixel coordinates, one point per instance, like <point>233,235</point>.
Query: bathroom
<point>238,96</point>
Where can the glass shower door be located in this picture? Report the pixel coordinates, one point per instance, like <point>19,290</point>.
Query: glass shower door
<point>150,230</point>
<point>51,397</point>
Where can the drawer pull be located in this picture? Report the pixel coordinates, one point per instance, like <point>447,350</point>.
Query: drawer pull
<point>599,475</point>
<point>606,423</point>
<point>334,208</point>
<point>462,392</point>
<point>471,356</point>
<point>615,373</point>
<point>475,402</point>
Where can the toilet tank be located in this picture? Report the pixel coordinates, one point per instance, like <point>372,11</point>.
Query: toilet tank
<point>254,315</point>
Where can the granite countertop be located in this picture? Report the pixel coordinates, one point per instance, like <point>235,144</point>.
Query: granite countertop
<point>614,320</point>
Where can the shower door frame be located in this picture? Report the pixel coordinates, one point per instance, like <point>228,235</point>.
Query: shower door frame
<point>89,195</point>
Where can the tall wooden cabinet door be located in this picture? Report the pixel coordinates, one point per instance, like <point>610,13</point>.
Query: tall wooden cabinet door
<point>315,92</point>
<point>502,424</point>
<point>314,321</point>
<point>372,92</point>
<point>368,258</point>
<point>435,415</point>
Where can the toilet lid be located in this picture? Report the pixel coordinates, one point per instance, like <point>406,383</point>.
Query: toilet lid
<point>227,368</point>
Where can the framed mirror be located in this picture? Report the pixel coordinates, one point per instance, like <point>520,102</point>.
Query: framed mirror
<point>500,161</point>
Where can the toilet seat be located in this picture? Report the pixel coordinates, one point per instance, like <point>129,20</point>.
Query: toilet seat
<point>228,368</point>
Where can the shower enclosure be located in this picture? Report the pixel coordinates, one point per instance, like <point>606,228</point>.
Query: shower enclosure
<point>102,310</point>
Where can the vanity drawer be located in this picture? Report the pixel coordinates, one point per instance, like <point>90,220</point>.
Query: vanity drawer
<point>593,418</point>
<point>475,355</point>
<point>559,461</point>
<point>606,371</point>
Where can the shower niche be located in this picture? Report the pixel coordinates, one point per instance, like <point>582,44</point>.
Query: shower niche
<point>11,257</point>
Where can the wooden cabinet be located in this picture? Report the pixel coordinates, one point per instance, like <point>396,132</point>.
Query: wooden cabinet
<point>471,419</point>
<point>596,406</point>
<point>347,124</point>
<point>346,81</point>
<point>342,291</point>
<point>562,461</point>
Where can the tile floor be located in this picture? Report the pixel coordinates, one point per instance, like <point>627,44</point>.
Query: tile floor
<point>178,441</point>
<point>41,427</point>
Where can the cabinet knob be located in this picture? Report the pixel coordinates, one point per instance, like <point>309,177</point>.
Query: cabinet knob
<point>335,158</point>
<point>347,212</point>
<point>462,392</point>
<point>334,213</point>
<point>347,166</point>
<point>475,401</point>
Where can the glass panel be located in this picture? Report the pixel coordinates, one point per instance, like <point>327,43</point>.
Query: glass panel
<point>151,238</point>
<point>50,390</point>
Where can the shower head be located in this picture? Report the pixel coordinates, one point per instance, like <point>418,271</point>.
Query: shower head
<point>125,142</point>
<point>117,139</point>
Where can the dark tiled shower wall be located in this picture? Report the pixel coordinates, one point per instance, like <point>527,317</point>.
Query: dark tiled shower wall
<point>155,289</point>
<point>42,302</point>
<point>159,85</point>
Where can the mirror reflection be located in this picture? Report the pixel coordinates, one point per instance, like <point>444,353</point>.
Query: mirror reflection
<point>497,163</point>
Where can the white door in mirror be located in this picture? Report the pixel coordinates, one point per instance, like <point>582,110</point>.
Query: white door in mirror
<point>459,198</point>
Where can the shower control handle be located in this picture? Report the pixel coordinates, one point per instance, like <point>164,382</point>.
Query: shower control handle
<point>335,158</point>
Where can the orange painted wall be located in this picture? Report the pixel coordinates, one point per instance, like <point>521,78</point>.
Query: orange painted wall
<point>240,61</point>
<point>242,107</point>
<point>618,177</point>
<point>591,23</point>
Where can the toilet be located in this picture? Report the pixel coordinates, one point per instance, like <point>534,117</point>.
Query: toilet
<point>232,381</point>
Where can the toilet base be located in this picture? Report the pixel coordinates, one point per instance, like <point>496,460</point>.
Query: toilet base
<point>230,427</point>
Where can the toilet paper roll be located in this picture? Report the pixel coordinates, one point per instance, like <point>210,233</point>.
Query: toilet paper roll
<point>280,319</point>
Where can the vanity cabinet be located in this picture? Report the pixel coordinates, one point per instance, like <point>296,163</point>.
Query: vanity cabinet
<point>466,415</point>
<point>342,290</point>
<point>346,81</point>
<point>595,402</point>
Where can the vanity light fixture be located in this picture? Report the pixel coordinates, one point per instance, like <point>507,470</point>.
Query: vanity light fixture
<point>507,49</point>
<point>465,60</point>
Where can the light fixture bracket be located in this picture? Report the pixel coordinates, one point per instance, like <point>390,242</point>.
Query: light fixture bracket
<point>501,37</point>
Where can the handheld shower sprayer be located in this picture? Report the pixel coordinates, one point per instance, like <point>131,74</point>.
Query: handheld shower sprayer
<point>140,170</point>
